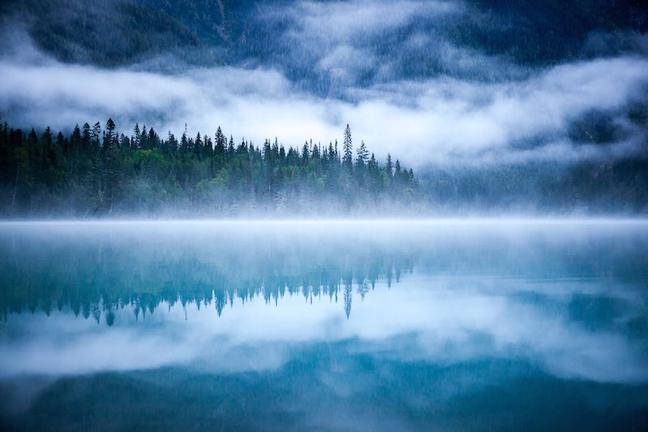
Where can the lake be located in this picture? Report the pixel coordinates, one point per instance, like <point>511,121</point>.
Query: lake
<point>476,324</point>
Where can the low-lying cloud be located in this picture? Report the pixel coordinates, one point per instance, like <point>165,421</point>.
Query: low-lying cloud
<point>437,120</point>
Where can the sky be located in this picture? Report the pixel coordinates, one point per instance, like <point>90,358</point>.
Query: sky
<point>399,72</point>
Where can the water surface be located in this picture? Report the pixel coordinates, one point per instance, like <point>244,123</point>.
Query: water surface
<point>365,325</point>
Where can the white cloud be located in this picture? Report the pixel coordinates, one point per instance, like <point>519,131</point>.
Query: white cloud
<point>439,120</point>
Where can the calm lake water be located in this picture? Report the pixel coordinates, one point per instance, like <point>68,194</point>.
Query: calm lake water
<point>368,326</point>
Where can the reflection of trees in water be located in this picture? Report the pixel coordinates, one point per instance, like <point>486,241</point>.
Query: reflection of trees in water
<point>98,271</point>
<point>96,281</point>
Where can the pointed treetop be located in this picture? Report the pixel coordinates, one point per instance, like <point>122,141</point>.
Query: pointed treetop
<point>347,147</point>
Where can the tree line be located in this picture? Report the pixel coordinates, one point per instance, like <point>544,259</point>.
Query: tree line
<point>95,171</point>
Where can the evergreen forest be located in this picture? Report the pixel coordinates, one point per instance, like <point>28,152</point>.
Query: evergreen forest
<point>95,171</point>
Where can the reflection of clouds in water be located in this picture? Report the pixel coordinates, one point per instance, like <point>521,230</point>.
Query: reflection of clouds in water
<point>451,324</point>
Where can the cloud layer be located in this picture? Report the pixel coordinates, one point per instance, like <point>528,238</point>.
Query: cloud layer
<point>438,120</point>
<point>475,108</point>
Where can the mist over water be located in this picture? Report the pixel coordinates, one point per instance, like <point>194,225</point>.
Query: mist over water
<point>439,315</point>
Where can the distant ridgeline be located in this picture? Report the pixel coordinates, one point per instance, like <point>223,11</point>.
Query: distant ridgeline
<point>95,172</point>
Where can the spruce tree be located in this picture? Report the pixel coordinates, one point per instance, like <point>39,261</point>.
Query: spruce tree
<point>347,148</point>
<point>136,136</point>
<point>95,133</point>
<point>362,155</point>
<point>110,138</point>
<point>86,137</point>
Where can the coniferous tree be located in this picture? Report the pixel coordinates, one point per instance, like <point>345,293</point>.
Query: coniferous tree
<point>362,156</point>
<point>109,138</point>
<point>136,136</point>
<point>95,133</point>
<point>347,148</point>
<point>86,137</point>
<point>184,141</point>
<point>75,142</point>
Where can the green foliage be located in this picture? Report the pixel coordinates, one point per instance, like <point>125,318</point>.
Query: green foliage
<point>93,173</point>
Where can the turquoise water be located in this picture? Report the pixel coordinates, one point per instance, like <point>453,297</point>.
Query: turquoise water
<point>369,326</point>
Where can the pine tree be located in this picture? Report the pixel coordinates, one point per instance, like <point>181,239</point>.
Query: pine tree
<point>75,141</point>
<point>219,148</point>
<point>230,149</point>
<point>110,138</point>
<point>95,133</point>
<point>184,141</point>
<point>362,155</point>
<point>389,167</point>
<point>347,148</point>
<point>144,138</point>
<point>86,137</point>
<point>136,136</point>
<point>198,146</point>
